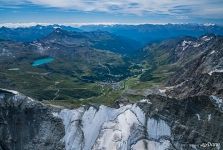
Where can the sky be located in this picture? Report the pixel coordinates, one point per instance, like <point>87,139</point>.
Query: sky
<point>111,11</point>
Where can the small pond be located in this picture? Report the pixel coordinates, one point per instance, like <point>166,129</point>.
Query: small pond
<point>42,61</point>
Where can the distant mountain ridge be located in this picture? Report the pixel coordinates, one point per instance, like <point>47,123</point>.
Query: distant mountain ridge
<point>144,33</point>
<point>148,33</point>
<point>28,34</point>
<point>97,39</point>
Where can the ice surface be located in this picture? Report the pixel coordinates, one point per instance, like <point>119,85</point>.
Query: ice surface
<point>151,145</point>
<point>157,128</point>
<point>109,128</point>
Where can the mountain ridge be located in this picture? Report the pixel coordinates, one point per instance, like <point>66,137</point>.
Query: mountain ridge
<point>144,33</point>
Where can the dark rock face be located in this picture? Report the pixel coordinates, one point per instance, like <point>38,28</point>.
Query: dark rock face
<point>195,65</point>
<point>202,84</point>
<point>201,75</point>
<point>193,120</point>
<point>26,124</point>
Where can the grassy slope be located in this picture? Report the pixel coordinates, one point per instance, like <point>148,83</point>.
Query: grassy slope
<point>59,82</point>
<point>38,84</point>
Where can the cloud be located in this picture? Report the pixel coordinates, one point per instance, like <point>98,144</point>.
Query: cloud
<point>179,8</point>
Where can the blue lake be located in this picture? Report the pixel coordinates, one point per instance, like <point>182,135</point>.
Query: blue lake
<point>42,61</point>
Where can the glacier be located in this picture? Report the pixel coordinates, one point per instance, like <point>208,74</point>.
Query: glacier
<point>110,128</point>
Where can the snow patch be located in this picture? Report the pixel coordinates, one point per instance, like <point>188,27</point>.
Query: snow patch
<point>212,52</point>
<point>198,117</point>
<point>55,114</point>
<point>197,44</point>
<point>217,101</point>
<point>73,134</point>
<point>11,91</point>
<point>162,91</point>
<point>176,86</point>
<point>139,113</point>
<point>152,145</point>
<point>209,117</point>
<point>145,101</point>
<point>157,129</point>
<point>94,118</point>
<point>206,38</point>
<point>216,70</point>
<point>209,24</point>
<point>185,44</point>
<point>115,134</point>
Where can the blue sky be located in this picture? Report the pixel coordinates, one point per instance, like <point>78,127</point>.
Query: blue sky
<point>111,11</point>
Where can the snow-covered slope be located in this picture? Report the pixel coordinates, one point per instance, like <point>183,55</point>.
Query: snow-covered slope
<point>110,128</point>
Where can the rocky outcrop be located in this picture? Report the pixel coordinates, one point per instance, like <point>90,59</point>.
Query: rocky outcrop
<point>202,73</point>
<point>27,124</point>
<point>192,66</point>
<point>156,123</point>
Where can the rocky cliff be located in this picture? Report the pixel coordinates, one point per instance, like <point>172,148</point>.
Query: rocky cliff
<point>202,73</point>
<point>194,65</point>
<point>155,123</point>
<point>27,124</point>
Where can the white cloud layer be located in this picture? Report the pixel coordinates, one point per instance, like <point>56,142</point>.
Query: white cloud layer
<point>181,8</point>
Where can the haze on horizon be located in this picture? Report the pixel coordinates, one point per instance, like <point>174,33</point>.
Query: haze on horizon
<point>108,12</point>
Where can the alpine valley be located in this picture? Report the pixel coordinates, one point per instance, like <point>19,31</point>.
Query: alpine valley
<point>111,87</point>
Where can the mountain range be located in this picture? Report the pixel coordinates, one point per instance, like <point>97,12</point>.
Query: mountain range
<point>144,33</point>
<point>147,33</point>
<point>111,87</point>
